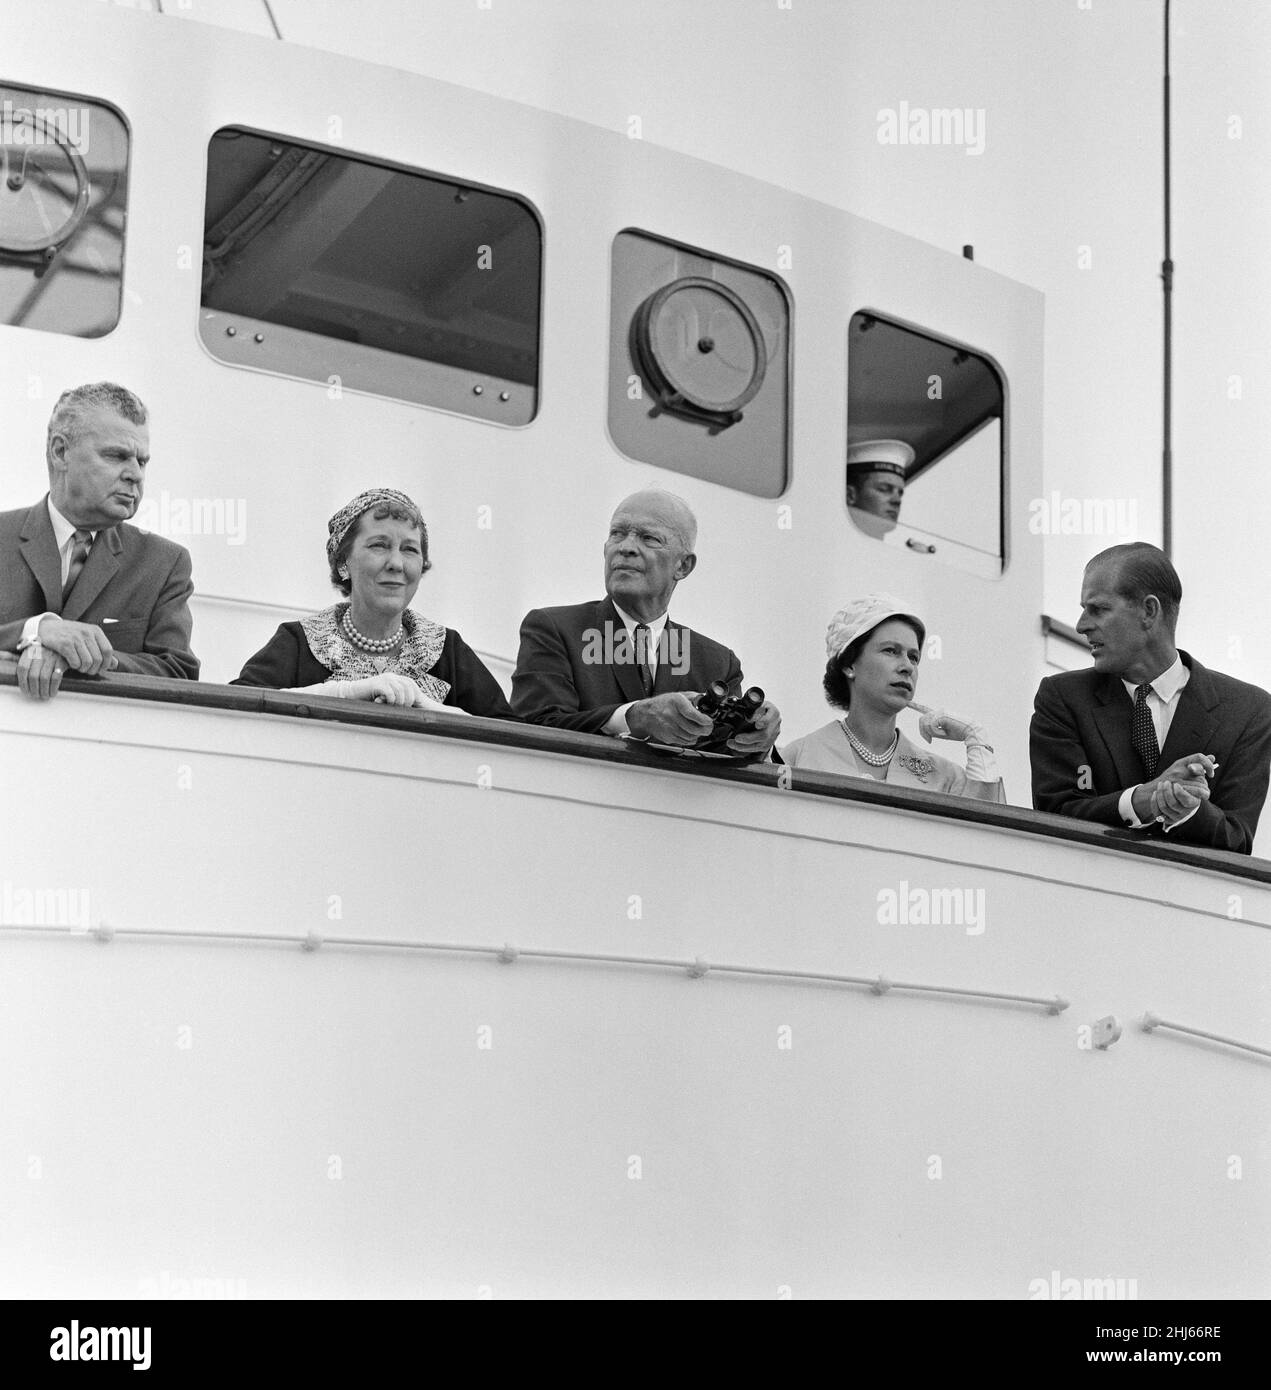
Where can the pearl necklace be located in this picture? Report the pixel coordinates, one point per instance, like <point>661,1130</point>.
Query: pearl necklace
<point>873,759</point>
<point>368,644</point>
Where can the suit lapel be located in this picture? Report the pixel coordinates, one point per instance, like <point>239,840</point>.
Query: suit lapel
<point>39,549</point>
<point>623,663</point>
<point>1113,714</point>
<point>1194,720</point>
<point>671,653</point>
<point>99,569</point>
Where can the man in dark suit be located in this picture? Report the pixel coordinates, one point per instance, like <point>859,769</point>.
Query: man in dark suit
<point>79,589</point>
<point>1149,738</point>
<point>619,665</point>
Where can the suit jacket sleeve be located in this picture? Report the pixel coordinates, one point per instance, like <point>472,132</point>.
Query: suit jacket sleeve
<point>11,634</point>
<point>166,649</point>
<point>283,663</point>
<point>472,687</point>
<point>1061,763</point>
<point>1229,819</point>
<point>543,687</point>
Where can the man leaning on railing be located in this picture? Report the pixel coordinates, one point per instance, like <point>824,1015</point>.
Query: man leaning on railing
<point>1149,739</point>
<point>620,665</point>
<point>79,589</point>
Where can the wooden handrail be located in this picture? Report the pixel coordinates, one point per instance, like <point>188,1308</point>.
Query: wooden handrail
<point>515,734</point>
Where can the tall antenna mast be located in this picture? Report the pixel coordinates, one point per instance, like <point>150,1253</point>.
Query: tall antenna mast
<point>1167,288</point>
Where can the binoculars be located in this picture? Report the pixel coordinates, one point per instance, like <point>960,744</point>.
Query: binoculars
<point>733,714</point>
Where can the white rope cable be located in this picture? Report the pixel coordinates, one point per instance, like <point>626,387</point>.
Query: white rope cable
<point>1150,1022</point>
<point>508,954</point>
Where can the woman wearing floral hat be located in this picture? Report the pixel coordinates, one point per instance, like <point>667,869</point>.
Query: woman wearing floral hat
<point>873,647</point>
<point>373,647</point>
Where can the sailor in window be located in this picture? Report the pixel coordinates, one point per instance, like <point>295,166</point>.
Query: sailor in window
<point>876,472</point>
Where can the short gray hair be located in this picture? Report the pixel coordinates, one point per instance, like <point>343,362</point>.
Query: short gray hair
<point>68,414</point>
<point>681,521</point>
<point>686,528</point>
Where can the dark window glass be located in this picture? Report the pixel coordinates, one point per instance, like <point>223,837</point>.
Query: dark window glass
<point>63,207</point>
<point>396,282</point>
<point>925,457</point>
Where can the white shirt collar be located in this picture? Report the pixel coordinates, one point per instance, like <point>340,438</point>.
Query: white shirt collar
<point>63,530</point>
<point>655,625</point>
<point>1171,680</point>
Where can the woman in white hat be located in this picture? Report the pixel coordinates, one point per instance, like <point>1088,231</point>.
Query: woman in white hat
<point>873,648</point>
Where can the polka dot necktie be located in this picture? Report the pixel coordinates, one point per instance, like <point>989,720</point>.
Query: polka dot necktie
<point>79,555</point>
<point>642,658</point>
<point>1143,732</point>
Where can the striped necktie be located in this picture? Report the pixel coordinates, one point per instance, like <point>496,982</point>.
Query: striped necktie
<point>642,658</point>
<point>1143,731</point>
<point>79,555</point>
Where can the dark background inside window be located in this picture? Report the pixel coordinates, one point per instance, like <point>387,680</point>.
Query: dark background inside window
<point>369,254</point>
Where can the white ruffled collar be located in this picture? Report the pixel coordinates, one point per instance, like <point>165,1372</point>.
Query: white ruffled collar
<point>420,650</point>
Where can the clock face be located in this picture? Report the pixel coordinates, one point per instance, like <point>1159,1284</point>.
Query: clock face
<point>44,185</point>
<point>700,346</point>
<point>699,364</point>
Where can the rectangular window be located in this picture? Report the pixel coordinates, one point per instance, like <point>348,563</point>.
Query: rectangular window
<point>925,445</point>
<point>380,279</point>
<point>63,207</point>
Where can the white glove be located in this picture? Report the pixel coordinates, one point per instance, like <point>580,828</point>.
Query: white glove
<point>427,702</point>
<point>981,766</point>
<point>390,688</point>
<point>939,723</point>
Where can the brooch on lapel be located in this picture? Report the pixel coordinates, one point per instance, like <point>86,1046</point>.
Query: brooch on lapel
<point>921,768</point>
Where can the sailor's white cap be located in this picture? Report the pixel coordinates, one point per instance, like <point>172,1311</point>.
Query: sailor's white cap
<point>880,456</point>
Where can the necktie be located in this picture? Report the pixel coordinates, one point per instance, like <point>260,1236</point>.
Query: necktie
<point>83,544</point>
<point>642,658</point>
<point>1143,732</point>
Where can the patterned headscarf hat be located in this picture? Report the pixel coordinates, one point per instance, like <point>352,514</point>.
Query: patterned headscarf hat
<point>344,520</point>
